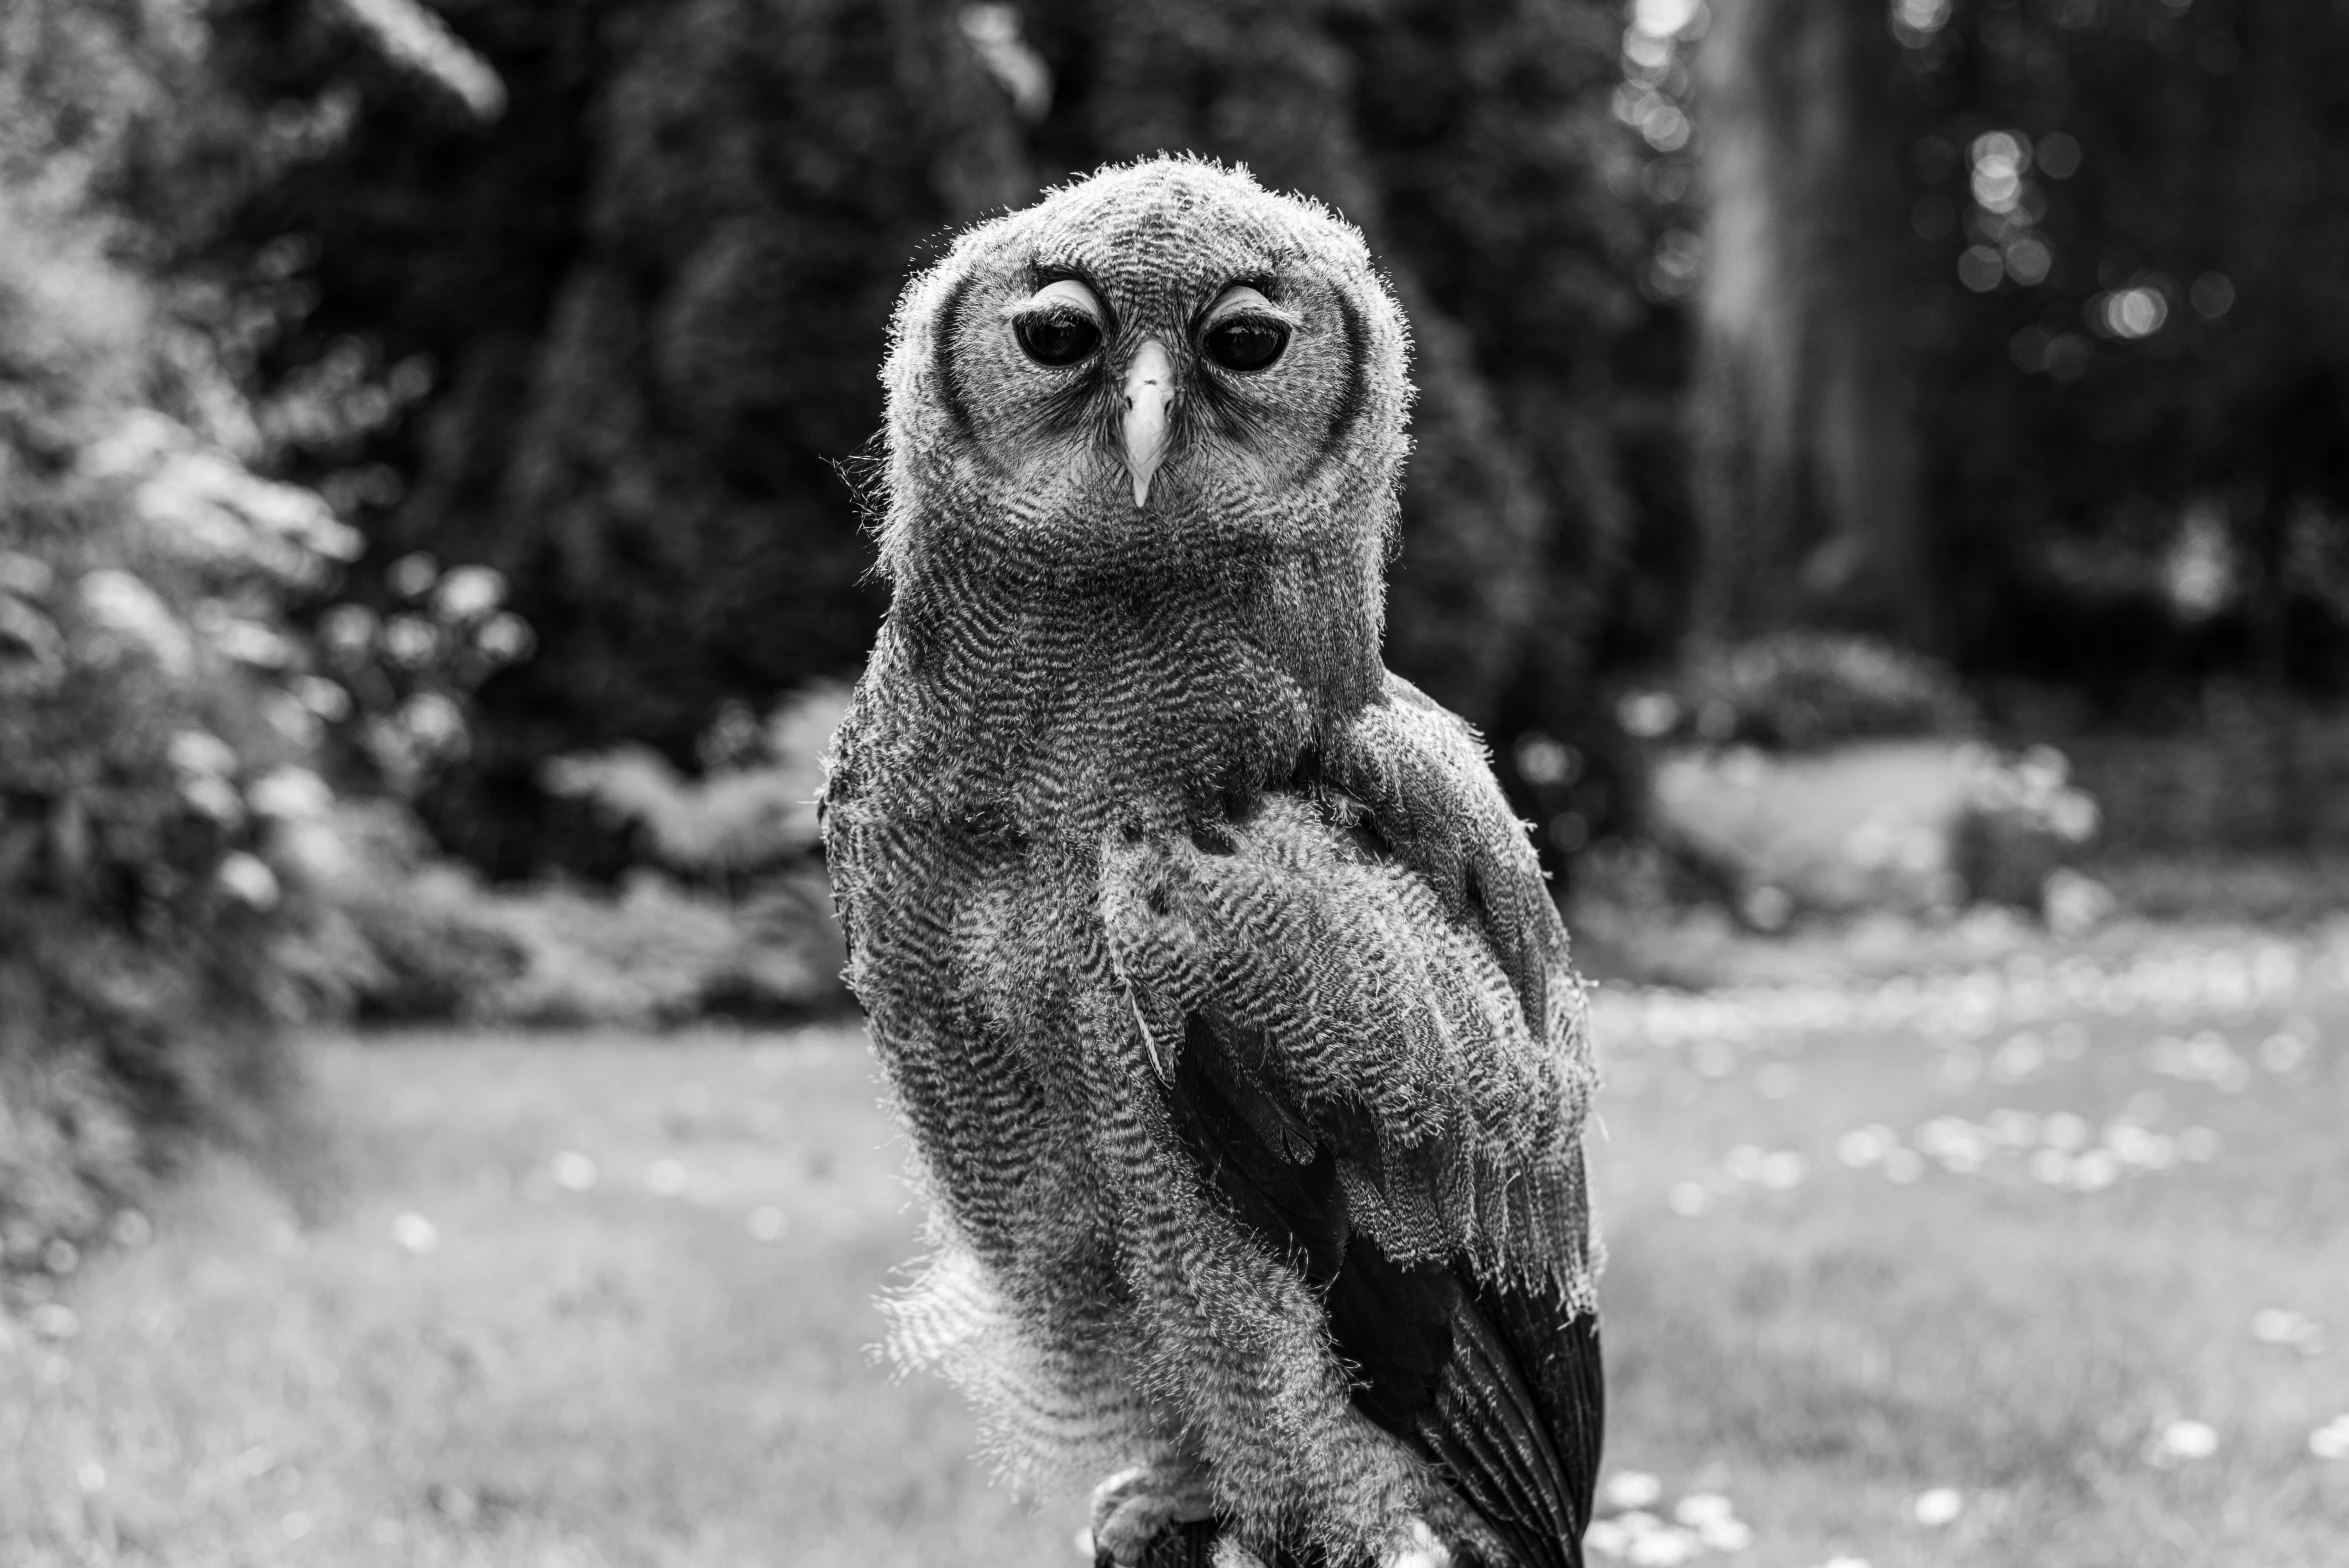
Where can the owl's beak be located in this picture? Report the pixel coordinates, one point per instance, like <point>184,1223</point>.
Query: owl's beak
<point>1150,387</point>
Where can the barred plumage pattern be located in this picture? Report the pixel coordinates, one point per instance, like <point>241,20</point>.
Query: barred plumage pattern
<point>1156,884</point>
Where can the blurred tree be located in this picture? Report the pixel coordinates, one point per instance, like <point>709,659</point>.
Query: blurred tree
<point>1804,421</point>
<point>653,295</point>
<point>2128,321</point>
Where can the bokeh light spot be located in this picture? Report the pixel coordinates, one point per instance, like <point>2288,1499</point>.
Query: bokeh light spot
<point>1663,18</point>
<point>1981,268</point>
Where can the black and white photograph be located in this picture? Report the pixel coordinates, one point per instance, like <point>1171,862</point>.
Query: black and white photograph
<point>1174,783</point>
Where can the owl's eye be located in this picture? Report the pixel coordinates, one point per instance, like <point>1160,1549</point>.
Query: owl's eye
<point>1061,338</point>
<point>1246,342</point>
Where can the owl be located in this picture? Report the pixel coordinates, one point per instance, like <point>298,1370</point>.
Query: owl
<point>1215,982</point>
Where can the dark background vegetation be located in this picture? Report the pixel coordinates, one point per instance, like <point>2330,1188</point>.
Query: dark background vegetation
<point>645,302</point>
<point>430,436</point>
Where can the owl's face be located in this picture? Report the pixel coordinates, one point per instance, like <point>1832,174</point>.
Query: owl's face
<point>1161,366</point>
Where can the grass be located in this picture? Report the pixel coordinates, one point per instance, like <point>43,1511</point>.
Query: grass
<point>537,1312</point>
<point>441,1354</point>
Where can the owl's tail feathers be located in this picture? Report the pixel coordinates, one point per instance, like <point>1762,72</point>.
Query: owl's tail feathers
<point>1205,1544</point>
<point>1050,1411</point>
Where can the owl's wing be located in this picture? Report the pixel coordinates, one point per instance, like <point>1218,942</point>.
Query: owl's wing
<point>1496,1384</point>
<point>1427,788</point>
<point>1373,1051</point>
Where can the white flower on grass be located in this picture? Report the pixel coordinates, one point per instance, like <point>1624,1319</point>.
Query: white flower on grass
<point>2012,1129</point>
<point>1698,1508</point>
<point>1665,1548</point>
<point>1863,1146</point>
<point>2095,1171</point>
<point>2065,1131</point>
<point>2282,1053</point>
<point>2283,1326</point>
<point>1938,1507</point>
<point>573,1171</point>
<point>1726,1535</point>
<point>1630,1489</point>
<point>2331,1441</point>
<point>1688,1199</point>
<point>416,1234</point>
<point>1605,1537</point>
<point>2021,1058</point>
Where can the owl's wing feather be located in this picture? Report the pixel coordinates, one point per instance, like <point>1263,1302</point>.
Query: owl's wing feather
<point>1497,1386</point>
<point>1373,1052</point>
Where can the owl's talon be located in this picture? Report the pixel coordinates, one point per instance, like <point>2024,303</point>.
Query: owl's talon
<point>1132,1507</point>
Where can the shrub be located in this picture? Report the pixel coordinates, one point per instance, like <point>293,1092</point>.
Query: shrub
<point>426,941</point>
<point>752,811</point>
<point>1804,691</point>
<point>154,743</point>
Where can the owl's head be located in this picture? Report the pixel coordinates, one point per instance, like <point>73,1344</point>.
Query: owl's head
<point>1161,369</point>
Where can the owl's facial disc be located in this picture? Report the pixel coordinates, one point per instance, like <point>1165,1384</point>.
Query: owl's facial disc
<point>1150,390</point>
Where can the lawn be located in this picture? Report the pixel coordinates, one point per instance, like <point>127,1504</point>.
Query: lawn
<point>2031,1264</point>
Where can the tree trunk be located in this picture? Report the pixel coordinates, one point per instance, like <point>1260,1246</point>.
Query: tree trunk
<point>1807,483</point>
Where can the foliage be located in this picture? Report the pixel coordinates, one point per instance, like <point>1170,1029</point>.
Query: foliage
<point>402,936</point>
<point>2024,825</point>
<point>156,803</point>
<point>399,700</point>
<point>753,810</point>
<point>651,297</point>
<point>1803,691</point>
<point>1909,826</point>
<point>2233,768</point>
<point>2130,323</point>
